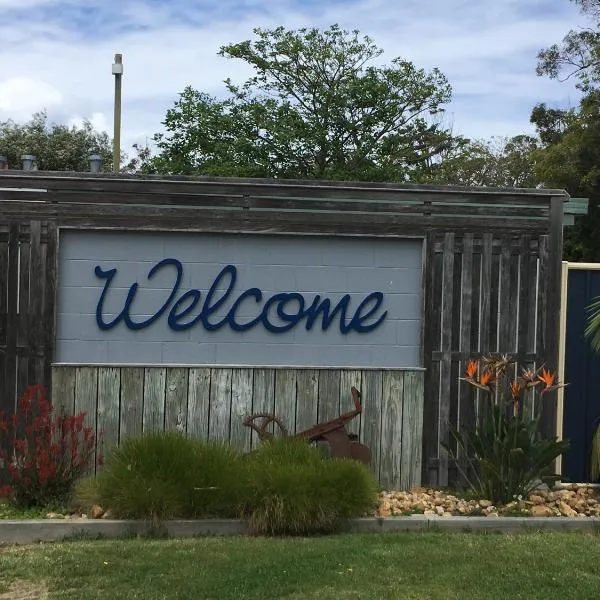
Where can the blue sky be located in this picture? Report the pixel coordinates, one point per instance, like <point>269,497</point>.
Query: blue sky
<point>57,54</point>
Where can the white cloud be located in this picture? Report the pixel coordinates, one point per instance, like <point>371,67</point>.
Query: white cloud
<point>99,121</point>
<point>486,49</point>
<point>21,96</point>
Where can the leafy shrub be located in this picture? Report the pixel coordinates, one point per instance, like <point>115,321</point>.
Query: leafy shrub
<point>165,475</point>
<point>294,490</point>
<point>47,452</point>
<point>506,452</point>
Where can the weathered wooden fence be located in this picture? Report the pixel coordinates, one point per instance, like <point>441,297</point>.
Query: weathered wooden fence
<point>486,293</point>
<point>27,289</point>
<point>212,403</point>
<point>491,280</point>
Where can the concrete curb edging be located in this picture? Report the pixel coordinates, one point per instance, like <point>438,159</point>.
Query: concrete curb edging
<point>48,530</point>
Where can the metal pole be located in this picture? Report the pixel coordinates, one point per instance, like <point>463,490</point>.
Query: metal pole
<point>117,70</point>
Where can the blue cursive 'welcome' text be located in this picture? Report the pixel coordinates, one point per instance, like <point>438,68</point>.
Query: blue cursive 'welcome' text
<point>291,308</point>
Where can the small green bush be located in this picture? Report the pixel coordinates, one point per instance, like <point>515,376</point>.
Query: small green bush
<point>166,475</point>
<point>294,490</point>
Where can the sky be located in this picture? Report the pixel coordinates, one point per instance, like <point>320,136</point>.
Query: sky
<point>57,54</point>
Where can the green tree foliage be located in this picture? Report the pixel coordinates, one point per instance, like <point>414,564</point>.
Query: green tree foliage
<point>570,158</point>
<point>319,106</point>
<point>56,147</point>
<point>500,162</point>
<point>571,161</point>
<point>579,54</point>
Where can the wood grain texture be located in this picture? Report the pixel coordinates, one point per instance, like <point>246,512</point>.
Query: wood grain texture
<point>348,380</point>
<point>241,407</point>
<point>263,397</point>
<point>198,404</point>
<point>412,430</point>
<point>307,398</point>
<point>329,394</point>
<point>86,399</point>
<point>109,408</point>
<point>132,402</point>
<point>154,399</point>
<point>446,347</point>
<point>176,399</point>
<point>285,397</point>
<point>392,471</point>
<point>370,432</point>
<point>220,405</point>
<point>63,390</point>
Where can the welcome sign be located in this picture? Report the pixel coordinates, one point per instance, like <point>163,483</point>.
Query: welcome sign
<point>247,300</point>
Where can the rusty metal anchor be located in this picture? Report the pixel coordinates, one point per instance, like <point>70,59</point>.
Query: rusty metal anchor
<point>341,443</point>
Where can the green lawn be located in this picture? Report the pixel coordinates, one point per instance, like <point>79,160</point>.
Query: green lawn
<point>412,566</point>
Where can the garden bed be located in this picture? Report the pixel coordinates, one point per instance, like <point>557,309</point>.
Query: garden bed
<point>574,500</point>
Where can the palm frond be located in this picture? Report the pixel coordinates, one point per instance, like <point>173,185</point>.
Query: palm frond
<point>593,324</point>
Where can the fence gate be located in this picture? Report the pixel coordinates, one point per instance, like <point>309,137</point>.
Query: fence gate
<point>581,369</point>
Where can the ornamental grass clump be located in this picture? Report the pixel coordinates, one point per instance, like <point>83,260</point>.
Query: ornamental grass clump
<point>165,475</point>
<point>507,456</point>
<point>43,453</point>
<point>295,490</point>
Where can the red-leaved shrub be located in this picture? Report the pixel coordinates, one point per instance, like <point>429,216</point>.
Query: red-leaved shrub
<point>42,453</point>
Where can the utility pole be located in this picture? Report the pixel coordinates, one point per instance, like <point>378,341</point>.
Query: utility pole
<point>117,70</point>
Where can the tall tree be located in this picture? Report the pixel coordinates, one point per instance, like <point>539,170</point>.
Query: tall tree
<point>317,107</point>
<point>570,158</point>
<point>56,147</point>
<point>499,162</point>
<point>579,53</point>
<point>571,161</point>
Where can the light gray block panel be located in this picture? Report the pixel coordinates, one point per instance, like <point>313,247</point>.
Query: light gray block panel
<point>329,267</point>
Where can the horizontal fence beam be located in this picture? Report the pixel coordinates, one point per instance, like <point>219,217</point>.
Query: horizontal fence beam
<point>282,188</point>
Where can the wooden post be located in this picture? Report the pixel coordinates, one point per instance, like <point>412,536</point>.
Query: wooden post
<point>551,319</point>
<point>117,70</point>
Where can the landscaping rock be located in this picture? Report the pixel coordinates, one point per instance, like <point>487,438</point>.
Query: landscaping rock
<point>569,501</point>
<point>96,511</point>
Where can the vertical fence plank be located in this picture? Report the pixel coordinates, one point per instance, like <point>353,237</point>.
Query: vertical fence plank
<point>446,345</point>
<point>506,311</point>
<point>109,396</point>
<point>348,380</point>
<point>4,291</point>
<point>524,286</point>
<point>132,402</point>
<point>432,293</point>
<point>391,474</point>
<point>63,390</point>
<point>23,317</point>
<point>35,321</point>
<point>220,405</point>
<point>469,293</point>
<point>8,398</point>
<point>285,397</point>
<point>86,399</point>
<point>154,399</point>
<point>412,429</point>
<point>329,394</point>
<point>486,294</point>
<point>307,398</point>
<point>176,399</point>
<point>241,407</point>
<point>198,403</point>
<point>372,387</point>
<point>50,276</point>
<point>263,397</point>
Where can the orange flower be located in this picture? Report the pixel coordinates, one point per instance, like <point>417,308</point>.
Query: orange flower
<point>547,378</point>
<point>472,368</point>
<point>486,378</point>
<point>515,390</point>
